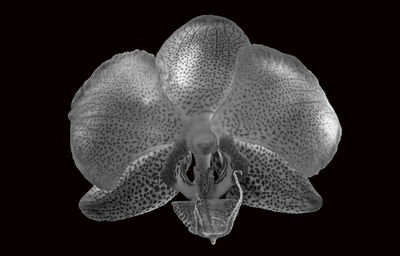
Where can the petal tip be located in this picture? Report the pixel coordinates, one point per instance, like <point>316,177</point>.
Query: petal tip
<point>209,19</point>
<point>313,203</point>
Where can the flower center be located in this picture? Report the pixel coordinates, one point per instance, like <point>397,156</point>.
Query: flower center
<point>205,142</point>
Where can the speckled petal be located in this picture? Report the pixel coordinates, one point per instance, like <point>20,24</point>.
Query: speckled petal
<point>139,190</point>
<point>277,103</point>
<point>271,183</point>
<point>198,62</point>
<point>119,114</point>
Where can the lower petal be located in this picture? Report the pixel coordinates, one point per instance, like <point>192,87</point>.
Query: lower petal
<point>139,190</point>
<point>272,184</point>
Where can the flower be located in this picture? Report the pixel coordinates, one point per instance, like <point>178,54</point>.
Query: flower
<point>255,120</point>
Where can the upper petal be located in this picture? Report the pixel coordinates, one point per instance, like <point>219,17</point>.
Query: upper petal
<point>198,62</point>
<point>276,102</point>
<point>120,113</point>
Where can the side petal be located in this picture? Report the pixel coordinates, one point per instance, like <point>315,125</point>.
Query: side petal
<point>276,102</point>
<point>198,62</point>
<point>139,190</point>
<point>120,113</point>
<point>271,183</point>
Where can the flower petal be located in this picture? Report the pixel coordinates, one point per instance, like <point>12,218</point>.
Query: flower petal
<point>276,102</point>
<point>198,62</point>
<point>139,190</point>
<point>271,183</point>
<point>120,113</point>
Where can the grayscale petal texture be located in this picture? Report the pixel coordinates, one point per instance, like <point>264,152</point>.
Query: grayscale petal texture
<point>120,113</point>
<point>277,103</point>
<point>139,190</point>
<point>198,63</point>
<point>272,184</point>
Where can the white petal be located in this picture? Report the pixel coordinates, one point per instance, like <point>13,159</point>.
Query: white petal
<point>198,62</point>
<point>120,113</point>
<point>276,102</point>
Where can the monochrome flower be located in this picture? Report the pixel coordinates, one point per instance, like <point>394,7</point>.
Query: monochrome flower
<point>254,120</point>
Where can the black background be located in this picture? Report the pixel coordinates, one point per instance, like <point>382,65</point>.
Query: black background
<point>64,44</point>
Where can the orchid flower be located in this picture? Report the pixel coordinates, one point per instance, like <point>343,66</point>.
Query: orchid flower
<point>254,120</point>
